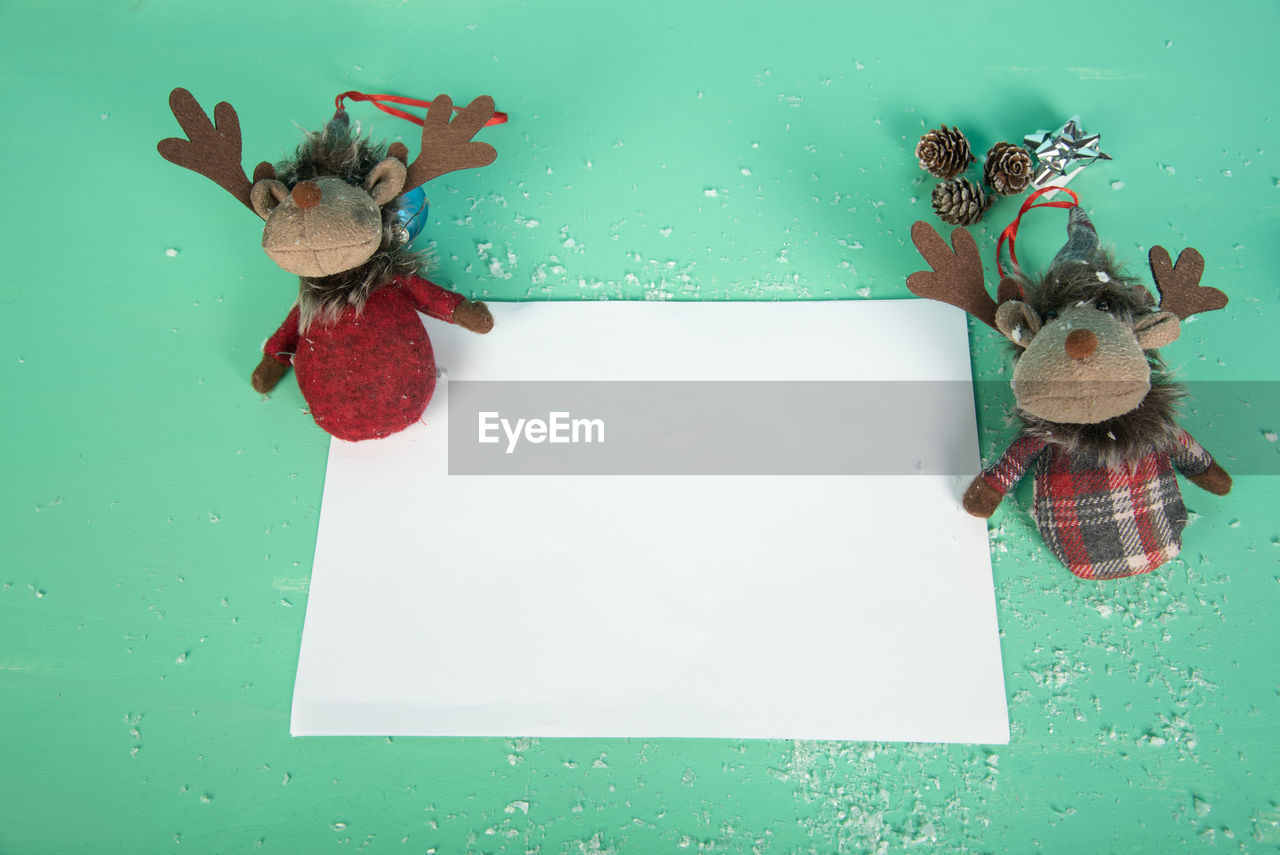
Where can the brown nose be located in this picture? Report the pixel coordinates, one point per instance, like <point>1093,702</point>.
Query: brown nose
<point>306,195</point>
<point>1081,343</point>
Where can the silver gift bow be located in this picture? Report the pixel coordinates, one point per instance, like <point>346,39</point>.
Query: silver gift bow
<point>1061,154</point>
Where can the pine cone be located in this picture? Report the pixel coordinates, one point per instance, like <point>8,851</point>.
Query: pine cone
<point>1008,169</point>
<point>944,152</point>
<point>960,202</point>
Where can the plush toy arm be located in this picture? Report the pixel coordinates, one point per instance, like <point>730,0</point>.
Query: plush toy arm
<point>277,354</point>
<point>1214,479</point>
<point>267,374</point>
<point>984,494</point>
<point>981,499</point>
<point>473,315</point>
<point>443,304</point>
<point>1198,465</point>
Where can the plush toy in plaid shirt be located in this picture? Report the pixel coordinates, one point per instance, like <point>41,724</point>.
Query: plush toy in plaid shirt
<point>1094,397</point>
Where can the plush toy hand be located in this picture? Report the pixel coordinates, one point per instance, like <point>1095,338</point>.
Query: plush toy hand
<point>1214,479</point>
<point>981,499</point>
<point>268,374</point>
<point>473,315</point>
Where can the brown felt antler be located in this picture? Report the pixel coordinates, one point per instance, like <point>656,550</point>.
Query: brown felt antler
<point>446,145</point>
<point>1179,284</point>
<point>212,148</point>
<point>956,277</point>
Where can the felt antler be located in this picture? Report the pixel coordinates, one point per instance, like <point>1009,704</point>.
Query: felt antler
<point>1179,284</point>
<point>213,148</point>
<point>446,145</point>
<point>956,277</point>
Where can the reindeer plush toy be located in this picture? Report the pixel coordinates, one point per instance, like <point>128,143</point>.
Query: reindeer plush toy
<point>363,360</point>
<point>1094,398</point>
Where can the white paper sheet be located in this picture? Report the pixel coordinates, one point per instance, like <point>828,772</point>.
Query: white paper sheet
<point>822,607</point>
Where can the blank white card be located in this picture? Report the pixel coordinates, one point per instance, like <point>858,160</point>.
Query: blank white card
<point>847,607</point>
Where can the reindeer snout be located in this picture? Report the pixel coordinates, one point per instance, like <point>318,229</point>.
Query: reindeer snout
<point>1081,343</point>
<point>306,194</point>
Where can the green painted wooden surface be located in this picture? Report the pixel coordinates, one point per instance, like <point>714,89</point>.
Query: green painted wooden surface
<point>158,519</point>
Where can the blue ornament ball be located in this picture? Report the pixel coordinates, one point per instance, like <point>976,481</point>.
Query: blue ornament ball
<point>413,213</point>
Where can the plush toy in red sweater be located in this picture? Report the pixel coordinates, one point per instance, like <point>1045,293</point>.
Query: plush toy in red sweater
<point>363,359</point>
<point>1096,404</point>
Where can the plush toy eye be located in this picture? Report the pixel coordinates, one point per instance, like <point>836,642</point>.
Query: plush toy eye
<point>1051,315</point>
<point>1103,305</point>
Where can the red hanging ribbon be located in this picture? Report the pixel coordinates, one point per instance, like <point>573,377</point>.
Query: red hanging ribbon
<point>1010,232</point>
<point>377,101</point>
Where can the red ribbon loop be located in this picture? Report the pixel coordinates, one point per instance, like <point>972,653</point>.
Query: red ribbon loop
<point>1010,232</point>
<point>377,101</point>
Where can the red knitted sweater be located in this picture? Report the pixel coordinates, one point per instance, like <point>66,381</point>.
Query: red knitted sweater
<point>371,372</point>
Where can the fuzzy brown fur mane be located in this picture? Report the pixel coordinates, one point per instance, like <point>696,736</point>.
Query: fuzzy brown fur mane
<point>340,152</point>
<point>1147,428</point>
<point>1066,284</point>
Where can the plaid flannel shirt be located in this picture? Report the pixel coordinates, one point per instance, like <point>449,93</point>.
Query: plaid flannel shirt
<point>1105,522</point>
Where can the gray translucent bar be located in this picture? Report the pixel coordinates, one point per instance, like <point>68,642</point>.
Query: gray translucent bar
<point>786,428</point>
<point>706,428</point>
